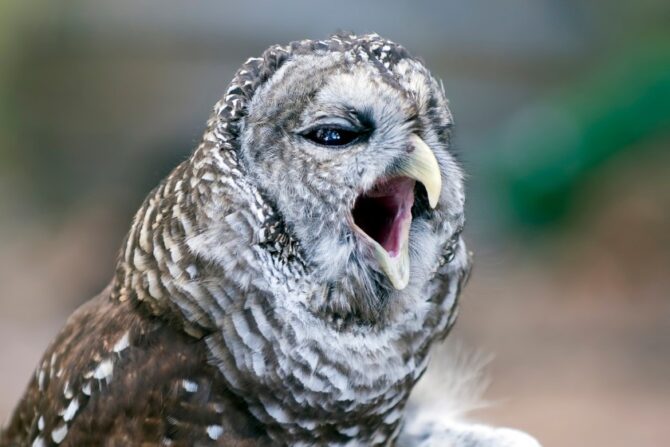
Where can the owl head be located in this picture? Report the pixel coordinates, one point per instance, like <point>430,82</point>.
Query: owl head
<point>346,141</point>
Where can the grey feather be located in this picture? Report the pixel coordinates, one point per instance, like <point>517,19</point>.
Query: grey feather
<point>245,255</point>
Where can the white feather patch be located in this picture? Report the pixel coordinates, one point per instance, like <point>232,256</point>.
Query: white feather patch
<point>214,431</point>
<point>59,434</point>
<point>104,370</point>
<point>71,410</point>
<point>123,343</point>
<point>189,386</point>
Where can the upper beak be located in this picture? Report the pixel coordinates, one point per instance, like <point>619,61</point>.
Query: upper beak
<point>421,165</point>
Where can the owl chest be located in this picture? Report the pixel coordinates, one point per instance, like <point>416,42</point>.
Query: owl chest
<point>332,407</point>
<point>305,383</point>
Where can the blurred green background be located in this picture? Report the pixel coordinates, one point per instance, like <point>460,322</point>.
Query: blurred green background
<point>562,115</point>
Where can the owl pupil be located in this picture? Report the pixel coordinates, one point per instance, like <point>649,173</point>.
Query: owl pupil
<point>331,136</point>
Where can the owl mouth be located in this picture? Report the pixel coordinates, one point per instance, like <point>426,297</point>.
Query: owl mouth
<point>382,215</point>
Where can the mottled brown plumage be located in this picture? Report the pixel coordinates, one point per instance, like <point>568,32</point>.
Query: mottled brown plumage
<point>162,389</point>
<point>284,285</point>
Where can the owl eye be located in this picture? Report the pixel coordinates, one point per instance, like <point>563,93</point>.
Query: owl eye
<point>332,136</point>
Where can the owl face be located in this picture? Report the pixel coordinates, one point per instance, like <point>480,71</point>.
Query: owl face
<point>353,155</point>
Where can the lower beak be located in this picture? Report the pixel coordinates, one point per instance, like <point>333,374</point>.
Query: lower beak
<point>396,267</point>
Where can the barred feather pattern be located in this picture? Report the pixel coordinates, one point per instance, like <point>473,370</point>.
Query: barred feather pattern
<point>305,380</point>
<point>209,256</point>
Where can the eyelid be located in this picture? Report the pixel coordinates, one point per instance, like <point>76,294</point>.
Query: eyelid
<point>334,122</point>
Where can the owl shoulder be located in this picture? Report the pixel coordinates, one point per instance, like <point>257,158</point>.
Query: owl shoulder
<point>116,373</point>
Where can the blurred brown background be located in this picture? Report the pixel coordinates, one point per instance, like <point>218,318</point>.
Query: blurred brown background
<point>563,124</point>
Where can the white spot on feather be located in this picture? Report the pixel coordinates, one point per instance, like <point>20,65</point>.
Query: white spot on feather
<point>38,442</point>
<point>104,370</point>
<point>86,389</point>
<point>67,391</point>
<point>123,343</point>
<point>59,434</point>
<point>154,284</point>
<point>40,380</point>
<point>189,386</point>
<point>192,271</point>
<point>40,423</point>
<point>214,431</point>
<point>349,431</point>
<point>309,425</point>
<point>71,410</point>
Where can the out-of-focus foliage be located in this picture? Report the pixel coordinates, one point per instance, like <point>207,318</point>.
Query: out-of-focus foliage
<point>554,144</point>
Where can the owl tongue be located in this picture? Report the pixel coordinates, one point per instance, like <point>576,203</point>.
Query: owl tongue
<point>384,213</point>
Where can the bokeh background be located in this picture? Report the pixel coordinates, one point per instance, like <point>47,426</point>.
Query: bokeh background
<point>562,122</point>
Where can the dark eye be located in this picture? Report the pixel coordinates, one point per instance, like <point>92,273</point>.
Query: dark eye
<point>331,136</point>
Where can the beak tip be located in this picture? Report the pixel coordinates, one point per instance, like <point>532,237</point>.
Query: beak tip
<point>433,202</point>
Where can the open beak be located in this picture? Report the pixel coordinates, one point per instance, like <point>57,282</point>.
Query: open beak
<point>383,215</point>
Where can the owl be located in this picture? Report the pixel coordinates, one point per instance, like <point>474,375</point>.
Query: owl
<point>283,285</point>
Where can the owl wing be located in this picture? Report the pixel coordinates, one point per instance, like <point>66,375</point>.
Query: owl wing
<point>117,376</point>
